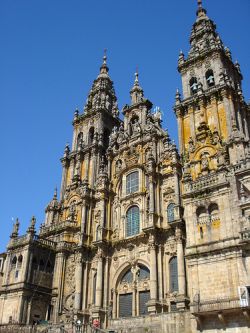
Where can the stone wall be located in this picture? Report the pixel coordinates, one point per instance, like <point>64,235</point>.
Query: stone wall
<point>164,323</point>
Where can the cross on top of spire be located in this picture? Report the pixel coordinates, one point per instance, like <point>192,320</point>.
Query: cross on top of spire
<point>105,57</point>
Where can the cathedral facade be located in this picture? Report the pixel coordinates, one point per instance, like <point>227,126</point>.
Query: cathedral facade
<point>144,238</point>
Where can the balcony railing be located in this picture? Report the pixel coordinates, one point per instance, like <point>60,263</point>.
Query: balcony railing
<point>214,305</point>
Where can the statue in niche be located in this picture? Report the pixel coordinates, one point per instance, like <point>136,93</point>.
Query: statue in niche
<point>118,166</point>
<point>72,211</point>
<point>191,146</point>
<point>136,128</point>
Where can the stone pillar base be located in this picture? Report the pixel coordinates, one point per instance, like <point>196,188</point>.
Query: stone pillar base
<point>154,306</point>
<point>181,303</point>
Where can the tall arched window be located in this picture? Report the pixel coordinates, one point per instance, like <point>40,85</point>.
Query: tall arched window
<point>193,85</point>
<point>79,140</point>
<point>210,78</point>
<point>91,135</point>
<point>173,275</point>
<point>132,182</point>
<point>170,212</point>
<point>14,260</point>
<point>20,260</point>
<point>133,221</point>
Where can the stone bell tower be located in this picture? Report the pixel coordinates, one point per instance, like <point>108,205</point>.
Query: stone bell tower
<point>213,129</point>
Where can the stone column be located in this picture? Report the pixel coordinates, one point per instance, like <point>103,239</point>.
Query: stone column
<point>7,265</point>
<point>94,165</point>
<point>230,116</point>
<point>215,113</point>
<point>153,271</point>
<point>28,311</point>
<point>58,281</point>
<point>134,302</point>
<point>115,295</point>
<point>25,265</point>
<point>64,177</point>
<point>180,130</point>
<point>83,217</point>
<point>28,276</point>
<point>99,279</point>
<point>85,287</point>
<point>151,196</point>
<point>180,263</point>
<point>78,281</point>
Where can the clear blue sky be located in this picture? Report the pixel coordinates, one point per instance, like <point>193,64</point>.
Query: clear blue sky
<point>50,53</point>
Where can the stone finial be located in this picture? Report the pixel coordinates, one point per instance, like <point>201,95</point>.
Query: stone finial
<point>31,229</point>
<point>76,114</point>
<point>201,12</point>
<point>66,150</point>
<point>55,193</point>
<point>15,230</point>
<point>177,97</point>
<point>104,68</point>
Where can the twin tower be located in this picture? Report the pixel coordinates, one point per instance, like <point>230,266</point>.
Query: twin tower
<point>144,236</point>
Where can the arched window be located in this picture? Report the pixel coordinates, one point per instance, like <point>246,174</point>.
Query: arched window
<point>127,277</point>
<point>144,273</point>
<point>14,260</point>
<point>133,221</point>
<point>193,83</point>
<point>132,182</point>
<point>91,135</point>
<point>20,260</point>
<point>213,212</point>
<point>173,275</point>
<point>202,215</point>
<point>210,78</point>
<point>79,140</point>
<point>170,212</point>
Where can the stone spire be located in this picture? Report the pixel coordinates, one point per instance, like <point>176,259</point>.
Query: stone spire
<point>204,36</point>
<point>136,92</point>
<point>15,230</point>
<point>102,94</point>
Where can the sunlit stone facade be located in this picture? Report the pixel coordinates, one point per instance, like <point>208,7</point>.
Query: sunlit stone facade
<point>145,238</point>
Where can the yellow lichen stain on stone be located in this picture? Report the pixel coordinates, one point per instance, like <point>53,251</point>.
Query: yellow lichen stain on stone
<point>216,224</point>
<point>83,170</point>
<point>223,121</point>
<point>186,130</point>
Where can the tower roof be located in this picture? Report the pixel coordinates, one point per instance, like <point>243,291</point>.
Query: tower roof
<point>102,94</point>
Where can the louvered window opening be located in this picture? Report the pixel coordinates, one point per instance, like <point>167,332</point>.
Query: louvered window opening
<point>173,274</point>
<point>133,221</point>
<point>144,297</point>
<point>132,182</point>
<point>125,305</point>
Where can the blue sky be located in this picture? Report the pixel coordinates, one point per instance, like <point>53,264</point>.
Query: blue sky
<point>50,53</point>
